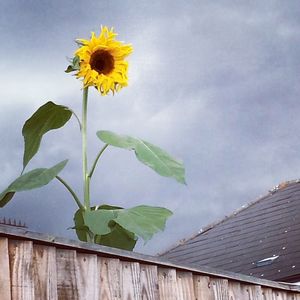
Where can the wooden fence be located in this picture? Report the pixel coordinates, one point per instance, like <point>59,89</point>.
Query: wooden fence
<point>36,266</point>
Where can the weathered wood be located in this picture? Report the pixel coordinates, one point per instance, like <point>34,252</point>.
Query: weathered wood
<point>88,276</point>
<point>15,233</point>
<point>279,295</point>
<point>220,288</point>
<point>167,284</point>
<point>292,296</point>
<point>131,283</point>
<point>267,293</point>
<point>44,268</point>
<point>252,292</point>
<point>202,288</point>
<point>149,282</point>
<point>110,278</point>
<point>185,285</point>
<point>21,270</point>
<point>5,283</point>
<point>234,290</point>
<point>66,275</point>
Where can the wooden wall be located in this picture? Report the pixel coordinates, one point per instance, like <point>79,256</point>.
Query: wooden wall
<point>30,270</point>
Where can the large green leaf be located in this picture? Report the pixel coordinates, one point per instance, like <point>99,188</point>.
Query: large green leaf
<point>149,154</point>
<point>143,220</point>
<point>81,230</point>
<point>98,220</point>
<point>31,180</point>
<point>117,238</point>
<point>48,117</point>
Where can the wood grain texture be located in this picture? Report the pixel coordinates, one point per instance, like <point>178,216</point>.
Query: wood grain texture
<point>131,281</point>
<point>5,283</point>
<point>267,293</point>
<point>149,282</point>
<point>88,276</point>
<point>252,292</point>
<point>110,278</point>
<point>220,288</point>
<point>66,275</point>
<point>44,269</point>
<point>185,285</point>
<point>234,290</point>
<point>167,284</point>
<point>279,295</point>
<point>21,270</point>
<point>202,288</point>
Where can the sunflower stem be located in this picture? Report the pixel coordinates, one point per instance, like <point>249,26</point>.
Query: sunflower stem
<point>86,179</point>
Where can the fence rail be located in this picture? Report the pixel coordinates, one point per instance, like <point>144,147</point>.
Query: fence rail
<point>36,266</point>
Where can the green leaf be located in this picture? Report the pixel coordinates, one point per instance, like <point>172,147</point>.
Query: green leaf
<point>48,117</point>
<point>81,230</point>
<point>144,221</point>
<point>31,180</point>
<point>75,66</point>
<point>149,154</point>
<point>118,238</point>
<point>98,220</point>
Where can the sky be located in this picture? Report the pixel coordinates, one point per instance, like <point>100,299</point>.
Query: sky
<point>215,83</point>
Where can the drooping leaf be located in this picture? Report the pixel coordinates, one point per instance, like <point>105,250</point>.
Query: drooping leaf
<point>143,220</point>
<point>149,154</point>
<point>31,180</point>
<point>82,230</point>
<point>48,117</point>
<point>117,238</point>
<point>75,65</point>
<point>98,220</point>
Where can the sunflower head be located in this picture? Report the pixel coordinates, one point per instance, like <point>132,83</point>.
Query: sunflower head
<point>101,61</point>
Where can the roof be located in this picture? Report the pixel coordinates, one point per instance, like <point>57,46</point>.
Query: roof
<point>261,239</point>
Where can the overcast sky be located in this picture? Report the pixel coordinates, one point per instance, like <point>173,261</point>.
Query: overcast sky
<point>215,83</point>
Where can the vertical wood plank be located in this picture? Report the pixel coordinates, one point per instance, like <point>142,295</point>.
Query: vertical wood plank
<point>202,288</point>
<point>279,295</point>
<point>131,281</point>
<point>21,270</point>
<point>110,278</point>
<point>234,290</point>
<point>66,274</point>
<point>149,282</point>
<point>88,276</point>
<point>267,293</point>
<point>292,296</point>
<point>252,292</point>
<point>44,266</point>
<point>5,283</point>
<point>185,285</point>
<point>220,288</point>
<point>167,284</point>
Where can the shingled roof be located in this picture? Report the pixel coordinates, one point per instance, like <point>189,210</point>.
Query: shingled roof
<point>261,239</point>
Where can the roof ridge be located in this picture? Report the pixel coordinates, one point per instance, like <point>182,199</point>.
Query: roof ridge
<point>210,226</point>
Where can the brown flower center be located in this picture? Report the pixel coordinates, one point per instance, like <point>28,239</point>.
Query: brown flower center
<point>102,62</point>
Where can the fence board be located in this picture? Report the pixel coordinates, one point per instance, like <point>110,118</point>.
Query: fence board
<point>131,288</point>
<point>167,284</point>
<point>234,290</point>
<point>88,276</point>
<point>66,274</point>
<point>202,288</point>
<point>279,295</point>
<point>44,268</point>
<point>220,288</point>
<point>149,282</point>
<point>21,270</point>
<point>267,293</point>
<point>185,285</point>
<point>110,278</point>
<point>252,292</point>
<point>5,292</point>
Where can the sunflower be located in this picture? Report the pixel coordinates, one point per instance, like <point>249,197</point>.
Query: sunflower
<point>101,61</point>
